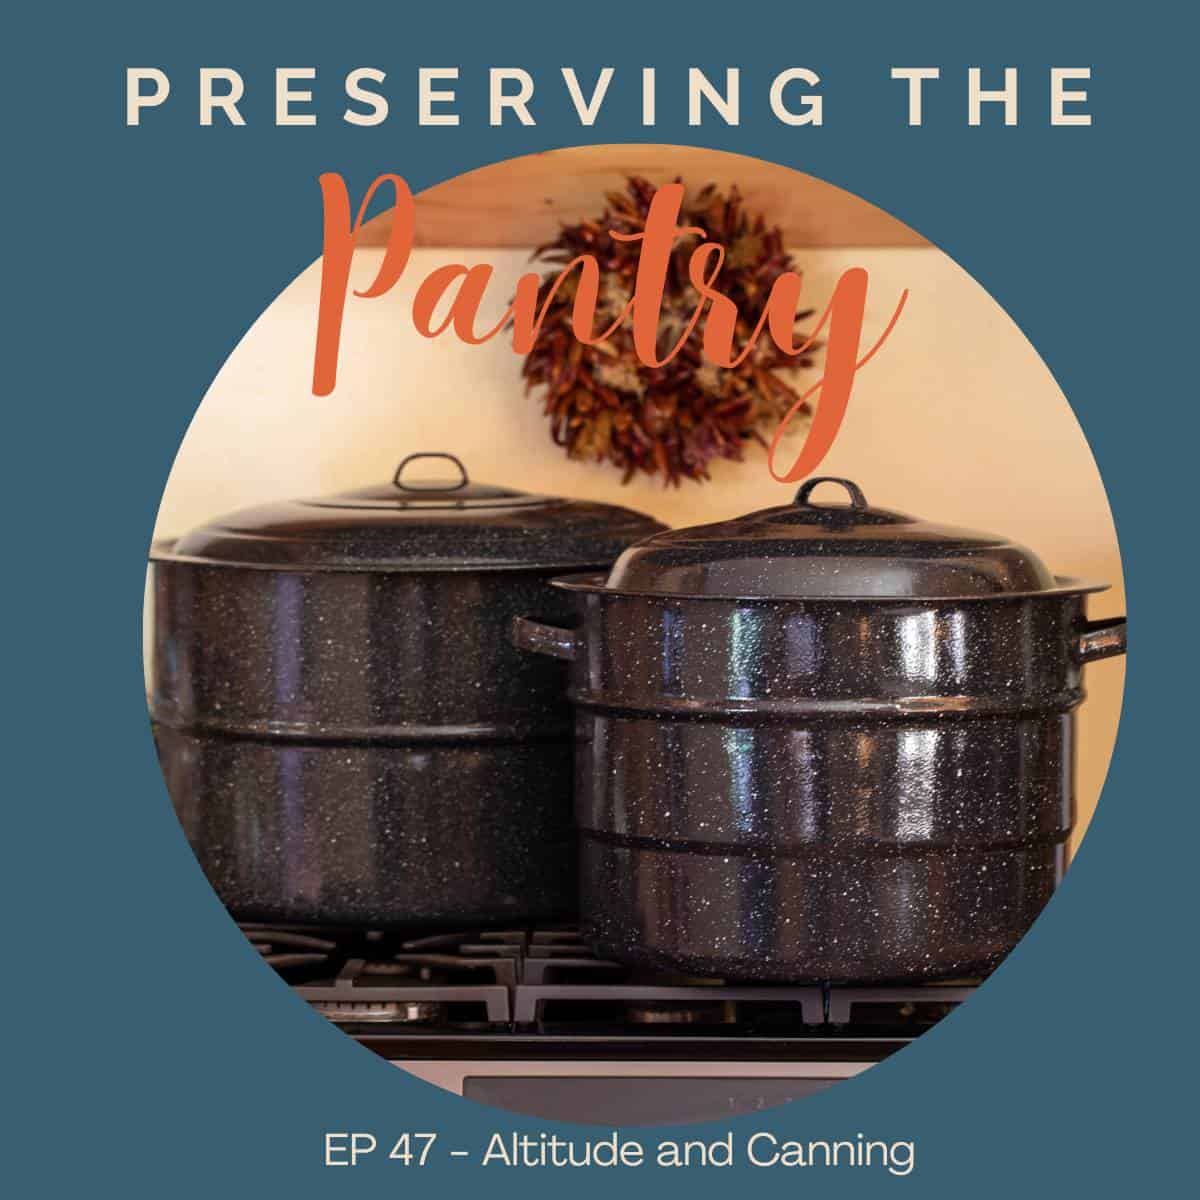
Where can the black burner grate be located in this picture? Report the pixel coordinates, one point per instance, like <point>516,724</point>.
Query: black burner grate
<point>548,982</point>
<point>358,977</point>
<point>562,979</point>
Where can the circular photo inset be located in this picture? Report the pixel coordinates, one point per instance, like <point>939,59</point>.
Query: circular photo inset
<point>597,695</point>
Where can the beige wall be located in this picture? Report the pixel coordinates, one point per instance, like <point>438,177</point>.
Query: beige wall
<point>956,419</point>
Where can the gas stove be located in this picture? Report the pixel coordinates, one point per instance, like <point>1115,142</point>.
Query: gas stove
<point>530,1020</point>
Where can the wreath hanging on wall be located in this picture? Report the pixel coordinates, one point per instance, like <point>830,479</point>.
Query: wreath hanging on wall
<point>604,404</point>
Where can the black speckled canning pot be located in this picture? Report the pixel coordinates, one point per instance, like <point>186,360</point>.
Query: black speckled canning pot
<point>822,786</point>
<point>346,732</point>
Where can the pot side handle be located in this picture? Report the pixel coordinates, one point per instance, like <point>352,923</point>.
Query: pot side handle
<point>1101,639</point>
<point>544,639</point>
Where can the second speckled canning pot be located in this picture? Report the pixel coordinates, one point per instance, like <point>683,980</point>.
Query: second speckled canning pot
<point>823,786</point>
<point>347,734</point>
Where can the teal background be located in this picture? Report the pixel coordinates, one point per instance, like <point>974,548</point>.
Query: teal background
<point>134,261</point>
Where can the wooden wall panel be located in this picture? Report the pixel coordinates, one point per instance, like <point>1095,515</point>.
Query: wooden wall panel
<point>522,202</point>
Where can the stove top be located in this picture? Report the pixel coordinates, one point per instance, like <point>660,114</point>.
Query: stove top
<point>542,994</point>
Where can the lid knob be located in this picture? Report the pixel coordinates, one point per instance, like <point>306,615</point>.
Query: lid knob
<point>433,485</point>
<point>857,499</point>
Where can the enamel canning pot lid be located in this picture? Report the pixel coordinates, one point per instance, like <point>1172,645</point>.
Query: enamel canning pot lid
<point>415,523</point>
<point>815,550</point>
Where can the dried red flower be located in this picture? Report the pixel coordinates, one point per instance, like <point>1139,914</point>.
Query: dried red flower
<point>604,405</point>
